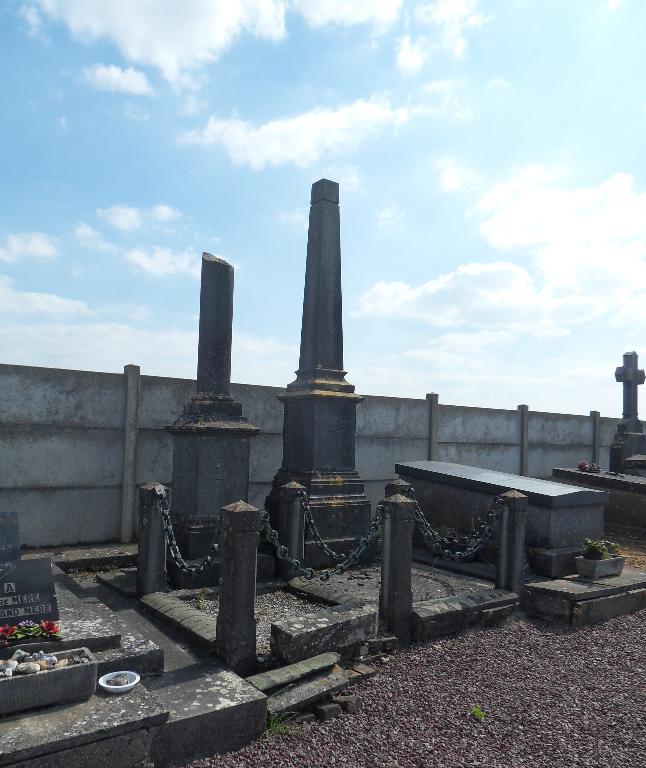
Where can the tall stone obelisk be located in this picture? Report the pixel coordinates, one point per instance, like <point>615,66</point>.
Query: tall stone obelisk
<point>320,405</point>
<point>211,438</point>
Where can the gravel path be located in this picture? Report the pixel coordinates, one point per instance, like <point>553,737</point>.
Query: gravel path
<point>553,698</point>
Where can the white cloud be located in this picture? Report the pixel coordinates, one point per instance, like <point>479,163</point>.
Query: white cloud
<point>455,177</point>
<point>88,237</point>
<point>390,220</point>
<point>452,18</point>
<point>445,98</point>
<point>30,15</point>
<point>178,40</point>
<point>15,302</point>
<point>302,139</point>
<point>28,245</point>
<point>297,217</point>
<point>498,84</point>
<point>320,13</point>
<point>411,56</point>
<point>612,4</point>
<point>121,217</point>
<point>113,78</point>
<point>163,262</point>
<point>164,213</point>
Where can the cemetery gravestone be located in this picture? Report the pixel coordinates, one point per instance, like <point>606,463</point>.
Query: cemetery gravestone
<point>629,438</point>
<point>27,592</point>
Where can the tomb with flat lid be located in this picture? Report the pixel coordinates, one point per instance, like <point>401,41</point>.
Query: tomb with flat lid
<point>559,517</point>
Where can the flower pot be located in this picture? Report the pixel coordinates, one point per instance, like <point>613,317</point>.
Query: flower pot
<point>52,686</point>
<point>591,570</point>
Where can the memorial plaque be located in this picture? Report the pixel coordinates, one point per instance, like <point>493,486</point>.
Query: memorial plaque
<point>27,592</point>
<point>9,536</point>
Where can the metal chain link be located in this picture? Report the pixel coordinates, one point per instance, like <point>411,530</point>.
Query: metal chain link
<point>272,536</point>
<point>314,532</point>
<point>439,546</point>
<point>171,540</point>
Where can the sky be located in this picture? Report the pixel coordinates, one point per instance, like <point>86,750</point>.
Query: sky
<point>490,155</point>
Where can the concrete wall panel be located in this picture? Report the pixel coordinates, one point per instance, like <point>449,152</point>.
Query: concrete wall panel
<point>503,458</point>
<point>478,425</point>
<point>559,428</point>
<point>154,456</point>
<point>376,456</point>
<point>392,417</point>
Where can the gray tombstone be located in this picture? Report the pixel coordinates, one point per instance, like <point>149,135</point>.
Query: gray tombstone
<point>320,405</point>
<point>9,536</point>
<point>629,438</point>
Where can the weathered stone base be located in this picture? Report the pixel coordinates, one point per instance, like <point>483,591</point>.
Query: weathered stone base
<point>553,563</point>
<point>450,615</point>
<point>577,602</point>
<point>304,693</point>
<point>333,629</point>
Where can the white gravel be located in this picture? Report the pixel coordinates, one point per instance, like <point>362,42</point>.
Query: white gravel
<point>553,697</point>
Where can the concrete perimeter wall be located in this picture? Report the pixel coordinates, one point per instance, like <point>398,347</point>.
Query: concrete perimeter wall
<point>69,438</point>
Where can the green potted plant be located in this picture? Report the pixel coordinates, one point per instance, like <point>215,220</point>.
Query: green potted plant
<point>600,559</point>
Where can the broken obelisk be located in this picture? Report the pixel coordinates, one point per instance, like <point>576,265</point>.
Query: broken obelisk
<point>211,438</point>
<point>320,405</point>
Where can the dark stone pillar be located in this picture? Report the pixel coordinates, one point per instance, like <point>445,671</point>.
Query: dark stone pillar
<point>512,544</point>
<point>235,636</point>
<point>291,525</point>
<point>151,558</point>
<point>395,594</point>
<point>320,405</point>
<point>211,438</point>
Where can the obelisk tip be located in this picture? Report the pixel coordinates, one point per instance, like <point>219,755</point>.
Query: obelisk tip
<point>327,190</point>
<point>217,259</point>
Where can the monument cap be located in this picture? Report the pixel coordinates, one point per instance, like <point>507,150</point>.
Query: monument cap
<point>210,257</point>
<point>327,190</point>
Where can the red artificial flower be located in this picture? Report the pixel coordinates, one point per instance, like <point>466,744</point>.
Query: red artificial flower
<point>50,627</point>
<point>6,631</point>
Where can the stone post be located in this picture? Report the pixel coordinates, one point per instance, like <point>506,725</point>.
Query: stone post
<point>400,486</point>
<point>596,446</point>
<point>395,594</point>
<point>129,466</point>
<point>291,524</point>
<point>235,640</point>
<point>151,560</point>
<point>523,417</point>
<point>433,424</point>
<point>512,543</point>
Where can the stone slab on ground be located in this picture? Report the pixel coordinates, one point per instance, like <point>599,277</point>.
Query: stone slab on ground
<point>449,615</point>
<point>329,630</point>
<point>276,678</point>
<point>136,653</point>
<point>362,584</point>
<point>123,580</point>
<point>212,710</point>
<point>578,602</point>
<point>105,731</point>
<point>304,693</point>
<point>198,626</point>
<point>87,558</point>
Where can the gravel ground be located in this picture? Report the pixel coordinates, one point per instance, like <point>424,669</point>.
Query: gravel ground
<point>553,697</point>
<point>633,549</point>
<point>270,607</point>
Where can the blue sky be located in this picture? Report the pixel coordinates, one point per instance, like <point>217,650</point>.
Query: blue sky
<point>493,187</point>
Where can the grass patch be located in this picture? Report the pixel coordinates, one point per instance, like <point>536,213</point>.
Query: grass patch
<point>279,725</point>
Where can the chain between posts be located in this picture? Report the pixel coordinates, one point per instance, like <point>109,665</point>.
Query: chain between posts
<point>316,536</point>
<point>173,546</point>
<point>272,536</point>
<point>439,545</point>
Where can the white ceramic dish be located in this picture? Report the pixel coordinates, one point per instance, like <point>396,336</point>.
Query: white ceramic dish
<point>104,682</point>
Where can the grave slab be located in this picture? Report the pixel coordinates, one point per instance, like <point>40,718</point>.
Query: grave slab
<point>199,627</point>
<point>104,732</point>
<point>304,693</point>
<point>559,516</point>
<point>328,630</point>
<point>577,602</point>
<point>212,710</point>
<point>87,558</point>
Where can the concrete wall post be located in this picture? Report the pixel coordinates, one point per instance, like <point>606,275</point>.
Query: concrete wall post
<point>523,419</point>
<point>433,399</point>
<point>595,417</point>
<point>291,525</point>
<point>512,549</point>
<point>151,559</point>
<point>131,375</point>
<point>395,595</point>
<point>235,640</point>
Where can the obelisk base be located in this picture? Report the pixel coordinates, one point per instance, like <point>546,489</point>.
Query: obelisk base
<point>624,445</point>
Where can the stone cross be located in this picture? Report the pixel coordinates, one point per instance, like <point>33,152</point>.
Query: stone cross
<point>631,377</point>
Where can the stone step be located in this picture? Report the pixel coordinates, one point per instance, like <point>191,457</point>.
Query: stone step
<point>450,615</point>
<point>212,710</point>
<point>123,580</point>
<point>115,731</point>
<point>198,626</point>
<point>279,678</point>
<point>304,693</point>
<point>87,558</point>
<point>136,654</point>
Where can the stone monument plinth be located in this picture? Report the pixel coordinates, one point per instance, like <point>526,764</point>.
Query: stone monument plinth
<point>320,405</point>
<point>211,438</point>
